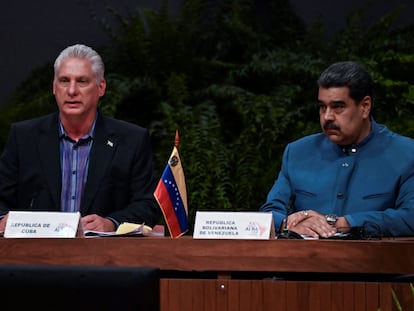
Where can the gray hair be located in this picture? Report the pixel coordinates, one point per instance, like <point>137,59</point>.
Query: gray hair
<point>83,52</point>
<point>350,74</point>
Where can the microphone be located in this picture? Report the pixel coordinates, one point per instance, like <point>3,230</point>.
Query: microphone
<point>34,197</point>
<point>286,233</point>
<point>289,210</point>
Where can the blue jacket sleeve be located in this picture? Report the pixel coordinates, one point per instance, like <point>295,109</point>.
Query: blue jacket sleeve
<point>278,196</point>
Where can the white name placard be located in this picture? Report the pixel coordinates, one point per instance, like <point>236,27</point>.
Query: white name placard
<point>234,225</point>
<point>41,225</point>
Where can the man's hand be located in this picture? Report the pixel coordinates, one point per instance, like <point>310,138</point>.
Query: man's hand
<point>310,223</point>
<point>97,223</point>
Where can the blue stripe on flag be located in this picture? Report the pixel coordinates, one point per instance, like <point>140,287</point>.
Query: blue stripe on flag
<point>175,197</point>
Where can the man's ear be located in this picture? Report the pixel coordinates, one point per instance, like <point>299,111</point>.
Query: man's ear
<point>366,105</point>
<point>102,88</point>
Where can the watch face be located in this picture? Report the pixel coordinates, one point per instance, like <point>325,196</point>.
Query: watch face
<point>331,219</point>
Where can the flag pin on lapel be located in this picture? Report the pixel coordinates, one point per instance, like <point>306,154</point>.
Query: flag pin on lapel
<point>109,143</point>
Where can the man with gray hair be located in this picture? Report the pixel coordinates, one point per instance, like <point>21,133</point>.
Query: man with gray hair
<point>77,159</point>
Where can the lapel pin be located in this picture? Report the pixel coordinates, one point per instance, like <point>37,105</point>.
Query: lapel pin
<point>109,143</point>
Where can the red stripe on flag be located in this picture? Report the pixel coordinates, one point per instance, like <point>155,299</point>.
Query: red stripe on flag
<point>164,200</point>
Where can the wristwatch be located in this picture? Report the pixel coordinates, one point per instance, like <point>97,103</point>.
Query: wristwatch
<point>331,219</point>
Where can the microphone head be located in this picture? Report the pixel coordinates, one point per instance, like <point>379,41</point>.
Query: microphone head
<point>289,234</point>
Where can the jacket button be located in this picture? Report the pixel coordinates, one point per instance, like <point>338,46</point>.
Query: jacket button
<point>340,195</point>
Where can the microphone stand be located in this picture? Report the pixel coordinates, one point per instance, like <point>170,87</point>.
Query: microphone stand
<point>286,233</point>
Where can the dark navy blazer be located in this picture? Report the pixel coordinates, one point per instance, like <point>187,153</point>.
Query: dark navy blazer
<point>120,181</point>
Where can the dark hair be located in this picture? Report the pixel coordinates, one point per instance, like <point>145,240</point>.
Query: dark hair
<point>350,74</point>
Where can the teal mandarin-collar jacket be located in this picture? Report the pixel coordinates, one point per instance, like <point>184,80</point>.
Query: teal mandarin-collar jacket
<point>370,183</point>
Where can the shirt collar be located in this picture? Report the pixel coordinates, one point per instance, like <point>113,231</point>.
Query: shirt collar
<point>63,134</point>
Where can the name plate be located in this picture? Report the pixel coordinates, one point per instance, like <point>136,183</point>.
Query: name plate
<point>234,225</point>
<point>41,225</point>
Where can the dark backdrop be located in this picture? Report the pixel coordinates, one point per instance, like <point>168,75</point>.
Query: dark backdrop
<point>33,32</point>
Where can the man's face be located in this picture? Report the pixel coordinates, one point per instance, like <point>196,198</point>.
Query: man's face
<point>76,90</point>
<point>342,119</point>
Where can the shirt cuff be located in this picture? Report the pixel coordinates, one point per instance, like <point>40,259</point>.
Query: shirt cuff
<point>116,222</point>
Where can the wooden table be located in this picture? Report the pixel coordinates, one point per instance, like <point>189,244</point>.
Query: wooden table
<point>244,274</point>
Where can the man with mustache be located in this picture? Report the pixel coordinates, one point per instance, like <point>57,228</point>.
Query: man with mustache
<point>355,174</point>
